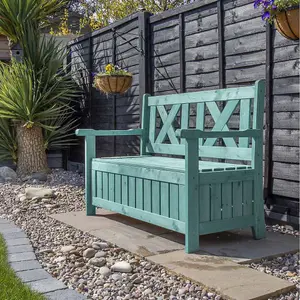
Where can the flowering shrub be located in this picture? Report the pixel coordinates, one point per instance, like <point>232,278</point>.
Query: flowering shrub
<point>111,69</point>
<point>272,7</point>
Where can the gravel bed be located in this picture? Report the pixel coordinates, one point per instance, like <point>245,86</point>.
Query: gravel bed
<point>85,263</point>
<point>285,267</point>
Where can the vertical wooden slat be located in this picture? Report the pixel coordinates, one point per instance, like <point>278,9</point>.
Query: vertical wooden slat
<point>131,192</point>
<point>245,116</point>
<point>181,203</point>
<point>237,196</point>
<point>124,190</point>
<point>152,124</point>
<point>139,193</point>
<point>90,75</point>
<point>174,204</point>
<point>216,202</point>
<point>111,185</point>
<point>226,200</point>
<point>185,115</point>
<point>118,188</point>
<point>204,203</point>
<point>200,119</point>
<point>105,185</point>
<point>147,195</point>
<point>145,125</point>
<point>247,197</point>
<point>165,199</point>
<point>155,197</point>
<point>99,184</point>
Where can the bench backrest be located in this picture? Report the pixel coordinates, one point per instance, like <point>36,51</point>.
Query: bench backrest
<point>243,107</point>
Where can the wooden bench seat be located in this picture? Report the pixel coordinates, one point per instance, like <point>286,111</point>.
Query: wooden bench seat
<point>216,186</point>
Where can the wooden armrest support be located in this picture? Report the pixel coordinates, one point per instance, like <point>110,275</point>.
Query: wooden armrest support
<point>92,132</point>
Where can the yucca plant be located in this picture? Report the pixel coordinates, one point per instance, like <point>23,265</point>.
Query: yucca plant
<point>8,141</point>
<point>35,93</point>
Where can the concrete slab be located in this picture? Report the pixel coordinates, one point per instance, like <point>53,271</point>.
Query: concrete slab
<point>9,225</point>
<point>14,235</point>
<point>4,221</point>
<point>21,256</point>
<point>47,285</point>
<point>10,230</point>
<point>25,265</point>
<point>17,242</point>
<point>18,249</point>
<point>118,229</point>
<point>65,295</point>
<point>33,275</point>
<point>239,245</point>
<point>230,279</point>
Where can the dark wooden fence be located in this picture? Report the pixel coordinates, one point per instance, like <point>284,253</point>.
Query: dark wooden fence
<point>205,45</point>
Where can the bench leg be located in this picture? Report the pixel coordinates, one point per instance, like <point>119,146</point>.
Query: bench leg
<point>90,153</point>
<point>191,196</point>
<point>259,228</point>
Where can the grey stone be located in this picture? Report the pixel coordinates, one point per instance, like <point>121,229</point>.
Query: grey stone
<point>14,235</point>
<point>25,265</point>
<point>17,249</point>
<point>21,256</point>
<point>116,277</point>
<point>100,254</point>
<point>105,271</point>
<point>98,262</point>
<point>89,253</point>
<point>60,259</point>
<point>33,275</point>
<point>47,285</point>
<point>32,192</point>
<point>41,176</point>
<point>2,180</point>
<point>65,295</point>
<point>66,249</point>
<point>8,173</point>
<point>17,242</point>
<point>121,266</point>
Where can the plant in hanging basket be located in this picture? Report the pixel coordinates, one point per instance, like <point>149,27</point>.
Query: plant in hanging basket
<point>284,13</point>
<point>114,80</point>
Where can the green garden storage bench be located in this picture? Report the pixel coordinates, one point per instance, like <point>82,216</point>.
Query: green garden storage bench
<point>200,193</point>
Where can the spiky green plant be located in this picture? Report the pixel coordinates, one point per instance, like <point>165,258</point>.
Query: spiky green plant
<point>8,141</point>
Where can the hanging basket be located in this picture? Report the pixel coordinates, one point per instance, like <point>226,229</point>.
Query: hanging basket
<point>287,23</point>
<point>113,84</point>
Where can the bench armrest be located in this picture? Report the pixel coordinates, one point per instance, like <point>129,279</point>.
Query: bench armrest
<point>92,132</point>
<point>196,133</point>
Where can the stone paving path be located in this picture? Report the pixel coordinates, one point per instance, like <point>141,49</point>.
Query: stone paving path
<point>23,261</point>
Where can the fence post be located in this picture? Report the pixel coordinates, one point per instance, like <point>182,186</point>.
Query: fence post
<point>144,43</point>
<point>90,76</point>
<point>269,116</point>
<point>182,52</point>
<point>113,61</point>
<point>221,49</point>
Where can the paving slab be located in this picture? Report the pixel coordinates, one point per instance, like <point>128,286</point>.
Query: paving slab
<point>232,280</point>
<point>21,256</point>
<point>14,235</point>
<point>118,229</point>
<point>65,295</point>
<point>4,221</point>
<point>18,249</point>
<point>18,242</point>
<point>9,225</point>
<point>33,275</point>
<point>238,245</point>
<point>47,285</point>
<point>10,230</point>
<point>25,265</point>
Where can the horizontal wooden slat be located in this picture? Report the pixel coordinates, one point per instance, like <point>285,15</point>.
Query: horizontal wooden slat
<point>286,188</point>
<point>205,96</point>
